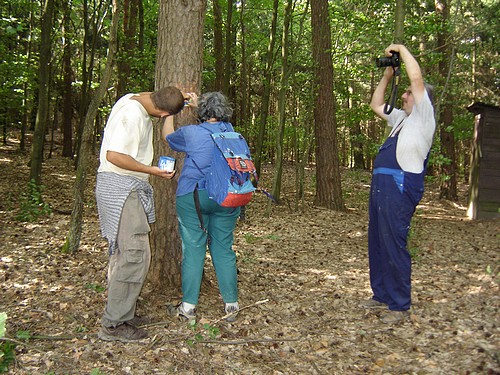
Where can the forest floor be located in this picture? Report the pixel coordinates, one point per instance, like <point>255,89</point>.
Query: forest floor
<point>302,273</point>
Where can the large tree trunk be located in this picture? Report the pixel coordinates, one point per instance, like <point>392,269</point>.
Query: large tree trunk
<point>73,239</point>
<point>179,63</point>
<point>448,188</point>
<point>328,184</point>
<point>43,93</point>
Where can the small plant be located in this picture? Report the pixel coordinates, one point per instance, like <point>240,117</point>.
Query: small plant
<point>7,348</point>
<point>202,333</point>
<point>32,205</point>
<point>96,287</point>
<point>252,238</point>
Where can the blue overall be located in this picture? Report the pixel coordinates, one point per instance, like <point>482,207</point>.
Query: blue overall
<point>394,196</point>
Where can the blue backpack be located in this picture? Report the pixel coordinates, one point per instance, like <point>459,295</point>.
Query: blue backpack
<point>229,177</point>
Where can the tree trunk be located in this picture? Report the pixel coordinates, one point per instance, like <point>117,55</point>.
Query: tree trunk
<point>67,101</point>
<point>399,19</point>
<point>73,240</point>
<point>179,63</point>
<point>328,184</point>
<point>285,72</point>
<point>448,188</point>
<point>128,46</point>
<point>244,89</point>
<point>218,47</point>
<point>43,95</point>
<point>264,111</point>
<point>229,56</point>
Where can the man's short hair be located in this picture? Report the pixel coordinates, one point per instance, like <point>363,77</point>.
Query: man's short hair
<point>169,99</point>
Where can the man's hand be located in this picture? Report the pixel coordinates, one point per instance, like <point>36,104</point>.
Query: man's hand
<point>155,171</point>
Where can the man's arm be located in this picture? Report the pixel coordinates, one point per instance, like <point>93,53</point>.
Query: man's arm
<point>412,70</point>
<point>168,128</point>
<point>125,161</point>
<point>377,103</point>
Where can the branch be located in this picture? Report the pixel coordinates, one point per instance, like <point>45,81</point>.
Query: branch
<point>242,308</point>
<point>239,342</point>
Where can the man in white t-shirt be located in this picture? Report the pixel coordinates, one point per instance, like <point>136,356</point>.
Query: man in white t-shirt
<point>397,187</point>
<point>125,203</point>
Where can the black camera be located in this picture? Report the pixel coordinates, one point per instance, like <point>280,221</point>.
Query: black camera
<point>389,61</point>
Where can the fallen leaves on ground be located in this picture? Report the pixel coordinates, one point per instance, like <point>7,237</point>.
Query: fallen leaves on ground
<point>302,274</point>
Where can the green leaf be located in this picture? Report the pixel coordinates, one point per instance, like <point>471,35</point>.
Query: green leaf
<point>23,335</point>
<point>3,319</point>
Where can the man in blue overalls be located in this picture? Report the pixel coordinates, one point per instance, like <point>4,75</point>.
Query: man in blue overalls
<point>397,187</point>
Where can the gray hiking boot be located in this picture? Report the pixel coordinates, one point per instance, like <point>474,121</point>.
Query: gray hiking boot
<point>178,310</point>
<point>395,317</point>
<point>231,312</point>
<point>124,332</point>
<point>373,304</point>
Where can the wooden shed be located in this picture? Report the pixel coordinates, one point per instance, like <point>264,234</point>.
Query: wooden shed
<point>484,188</point>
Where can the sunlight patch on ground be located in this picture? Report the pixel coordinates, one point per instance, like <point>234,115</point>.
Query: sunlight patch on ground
<point>6,259</point>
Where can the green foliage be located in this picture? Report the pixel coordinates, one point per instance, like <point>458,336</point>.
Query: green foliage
<point>23,335</point>
<point>98,288</point>
<point>251,238</point>
<point>32,205</point>
<point>204,332</point>
<point>7,348</point>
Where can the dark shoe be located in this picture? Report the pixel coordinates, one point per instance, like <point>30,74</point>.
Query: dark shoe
<point>394,317</point>
<point>124,332</point>
<point>139,321</point>
<point>178,310</point>
<point>373,304</point>
<point>231,312</point>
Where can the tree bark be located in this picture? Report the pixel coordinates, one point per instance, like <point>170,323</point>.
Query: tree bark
<point>285,72</point>
<point>448,187</point>
<point>264,111</point>
<point>179,63</point>
<point>399,19</point>
<point>43,93</point>
<point>328,184</point>
<point>218,46</point>
<point>67,101</point>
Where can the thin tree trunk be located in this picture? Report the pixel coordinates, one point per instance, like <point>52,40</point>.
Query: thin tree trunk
<point>73,239</point>
<point>448,187</point>
<point>228,56</point>
<point>43,95</point>
<point>285,73</point>
<point>399,19</point>
<point>218,47</point>
<point>67,103</point>
<point>264,111</point>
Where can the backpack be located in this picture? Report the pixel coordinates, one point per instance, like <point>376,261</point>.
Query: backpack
<point>229,177</point>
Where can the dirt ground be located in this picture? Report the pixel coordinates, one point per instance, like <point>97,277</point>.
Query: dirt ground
<point>302,274</point>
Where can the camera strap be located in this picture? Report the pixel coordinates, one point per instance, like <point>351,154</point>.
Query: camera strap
<point>389,104</point>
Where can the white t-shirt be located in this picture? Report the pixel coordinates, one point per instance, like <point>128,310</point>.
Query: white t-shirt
<point>129,131</point>
<point>415,136</point>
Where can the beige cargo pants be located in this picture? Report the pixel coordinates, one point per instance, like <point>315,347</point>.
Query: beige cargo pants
<point>129,265</point>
